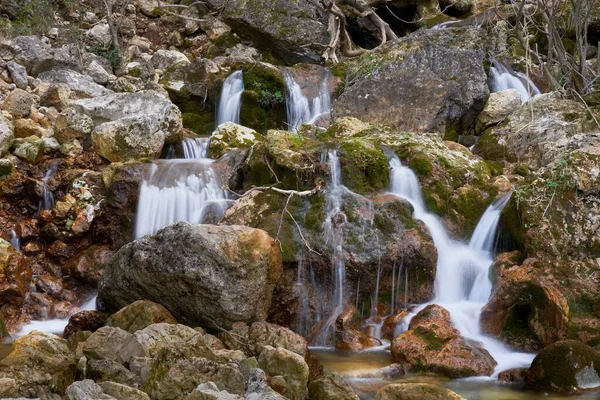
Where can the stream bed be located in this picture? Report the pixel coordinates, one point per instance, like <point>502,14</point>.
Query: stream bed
<point>362,370</point>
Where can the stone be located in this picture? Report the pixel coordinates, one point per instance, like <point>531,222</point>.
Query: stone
<point>18,74</point>
<point>257,388</point>
<point>132,125</point>
<point>244,264</point>
<point>6,167</point>
<point>85,390</point>
<point>568,366</point>
<point>432,344</point>
<point>54,95</point>
<point>261,334</point>
<point>163,59</point>
<point>416,391</point>
<point>18,103</point>
<point>139,315</point>
<point>41,364</point>
<point>16,274</point>
<point>31,52</point>
<point>513,376</point>
<point>6,136</point>
<point>109,370</point>
<point>30,148</point>
<point>439,73</point>
<point>50,284</point>
<point>82,86</point>
<point>8,388</point>
<point>73,125</point>
<point>98,73</point>
<point>290,366</point>
<point>292,29</point>
<point>331,387</point>
<point>229,136</point>
<point>353,340</point>
<point>26,127</point>
<point>155,337</point>
<point>122,392</point>
<point>210,391</point>
<point>99,36</point>
<point>88,264</point>
<point>86,320</point>
<point>115,344</point>
<point>499,106</point>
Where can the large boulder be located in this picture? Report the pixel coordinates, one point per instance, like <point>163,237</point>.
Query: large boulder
<point>208,274</point>
<point>296,31</point>
<point>568,366</point>
<point>499,106</point>
<point>82,86</point>
<point>432,344</point>
<point>131,126</point>
<point>416,391</point>
<point>32,53</point>
<point>41,364</point>
<point>279,362</point>
<point>439,73</point>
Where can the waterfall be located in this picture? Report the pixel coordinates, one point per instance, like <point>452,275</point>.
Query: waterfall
<point>231,99</point>
<point>301,109</point>
<point>14,240</point>
<point>180,190</point>
<point>505,78</point>
<point>47,203</point>
<point>462,284</point>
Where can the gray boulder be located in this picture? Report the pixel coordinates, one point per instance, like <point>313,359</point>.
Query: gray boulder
<point>122,392</point>
<point>203,274</point>
<point>85,390</point>
<point>18,74</point>
<point>430,81</point>
<point>293,29</point>
<point>115,344</point>
<point>163,59</point>
<point>81,85</point>
<point>6,136</point>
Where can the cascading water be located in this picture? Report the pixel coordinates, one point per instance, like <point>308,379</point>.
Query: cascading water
<point>231,99</point>
<point>462,285</point>
<point>180,190</point>
<point>47,202</point>
<point>504,78</point>
<point>14,240</point>
<point>301,109</point>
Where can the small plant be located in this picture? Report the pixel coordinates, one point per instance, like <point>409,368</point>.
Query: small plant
<point>269,99</point>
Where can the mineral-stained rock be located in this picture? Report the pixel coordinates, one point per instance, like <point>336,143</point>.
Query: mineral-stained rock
<point>432,344</point>
<point>18,103</point>
<point>208,274</point>
<point>84,321</point>
<point>140,314</point>
<point>291,366</point>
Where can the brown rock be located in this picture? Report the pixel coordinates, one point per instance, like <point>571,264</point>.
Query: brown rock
<point>26,127</point>
<point>88,264</point>
<point>55,95</point>
<point>515,375</point>
<point>432,344</point>
<point>50,284</point>
<point>140,314</point>
<point>62,309</point>
<point>84,321</point>
<point>15,274</point>
<point>114,344</point>
<point>27,228</point>
<point>261,334</point>
<point>390,323</point>
<point>416,391</point>
<point>18,103</point>
<point>59,248</point>
<point>32,248</point>
<point>353,340</point>
<point>83,221</point>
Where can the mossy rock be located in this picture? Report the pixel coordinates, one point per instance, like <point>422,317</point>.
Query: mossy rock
<point>488,147</point>
<point>218,47</point>
<point>202,124</point>
<point>364,166</point>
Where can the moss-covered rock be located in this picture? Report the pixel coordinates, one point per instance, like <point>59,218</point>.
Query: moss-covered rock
<point>230,136</point>
<point>364,166</point>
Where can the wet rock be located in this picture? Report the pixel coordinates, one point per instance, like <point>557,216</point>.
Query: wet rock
<point>416,391</point>
<point>84,321</point>
<point>260,334</point>
<point>390,323</point>
<point>6,136</point>
<point>233,291</point>
<point>229,136</point>
<point>499,106</point>
<point>115,344</point>
<point>109,370</point>
<point>526,308</point>
<point>291,366</point>
<point>158,336</point>
<point>331,387</point>
<point>432,344</point>
<point>139,315</point>
<point>50,284</point>
<point>85,390</point>
<point>88,264</point>
<point>353,340</point>
<point>439,72</point>
<point>18,103</point>
<point>122,392</point>
<point>138,124</point>
<point>293,30</point>
<point>18,74</point>
<point>568,366</point>
<point>15,274</point>
<point>515,375</point>
<point>41,364</point>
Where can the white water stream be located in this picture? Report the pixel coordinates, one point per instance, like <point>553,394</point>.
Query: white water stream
<point>462,285</point>
<point>14,240</point>
<point>302,109</point>
<point>504,78</point>
<point>231,99</point>
<point>47,202</point>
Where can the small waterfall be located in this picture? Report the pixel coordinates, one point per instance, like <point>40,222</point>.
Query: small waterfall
<point>334,235</point>
<point>462,284</point>
<point>301,109</point>
<point>231,99</point>
<point>14,240</point>
<point>47,203</point>
<point>180,190</point>
<point>505,78</point>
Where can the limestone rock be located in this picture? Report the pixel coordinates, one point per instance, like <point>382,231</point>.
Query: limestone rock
<point>139,315</point>
<point>244,264</point>
<point>499,106</point>
<point>122,392</point>
<point>99,36</point>
<point>158,336</point>
<point>81,85</point>
<point>109,370</point>
<point>71,125</point>
<point>331,387</point>
<point>115,344</point>
<point>291,366</point>
<point>261,334</point>
<point>19,103</point>
<point>568,366</point>
<point>85,390</point>
<point>257,388</point>
<point>432,344</point>
<point>6,136</point>
<point>210,391</point>
<point>163,59</point>
<point>32,53</point>
<point>230,136</point>
<point>26,127</point>
<point>416,391</point>
<point>18,73</point>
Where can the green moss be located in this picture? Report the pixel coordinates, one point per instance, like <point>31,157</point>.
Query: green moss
<point>488,147</point>
<point>434,343</point>
<point>511,222</point>
<point>364,166</point>
<point>202,124</point>
<point>222,43</point>
<point>522,170</point>
<point>421,166</point>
